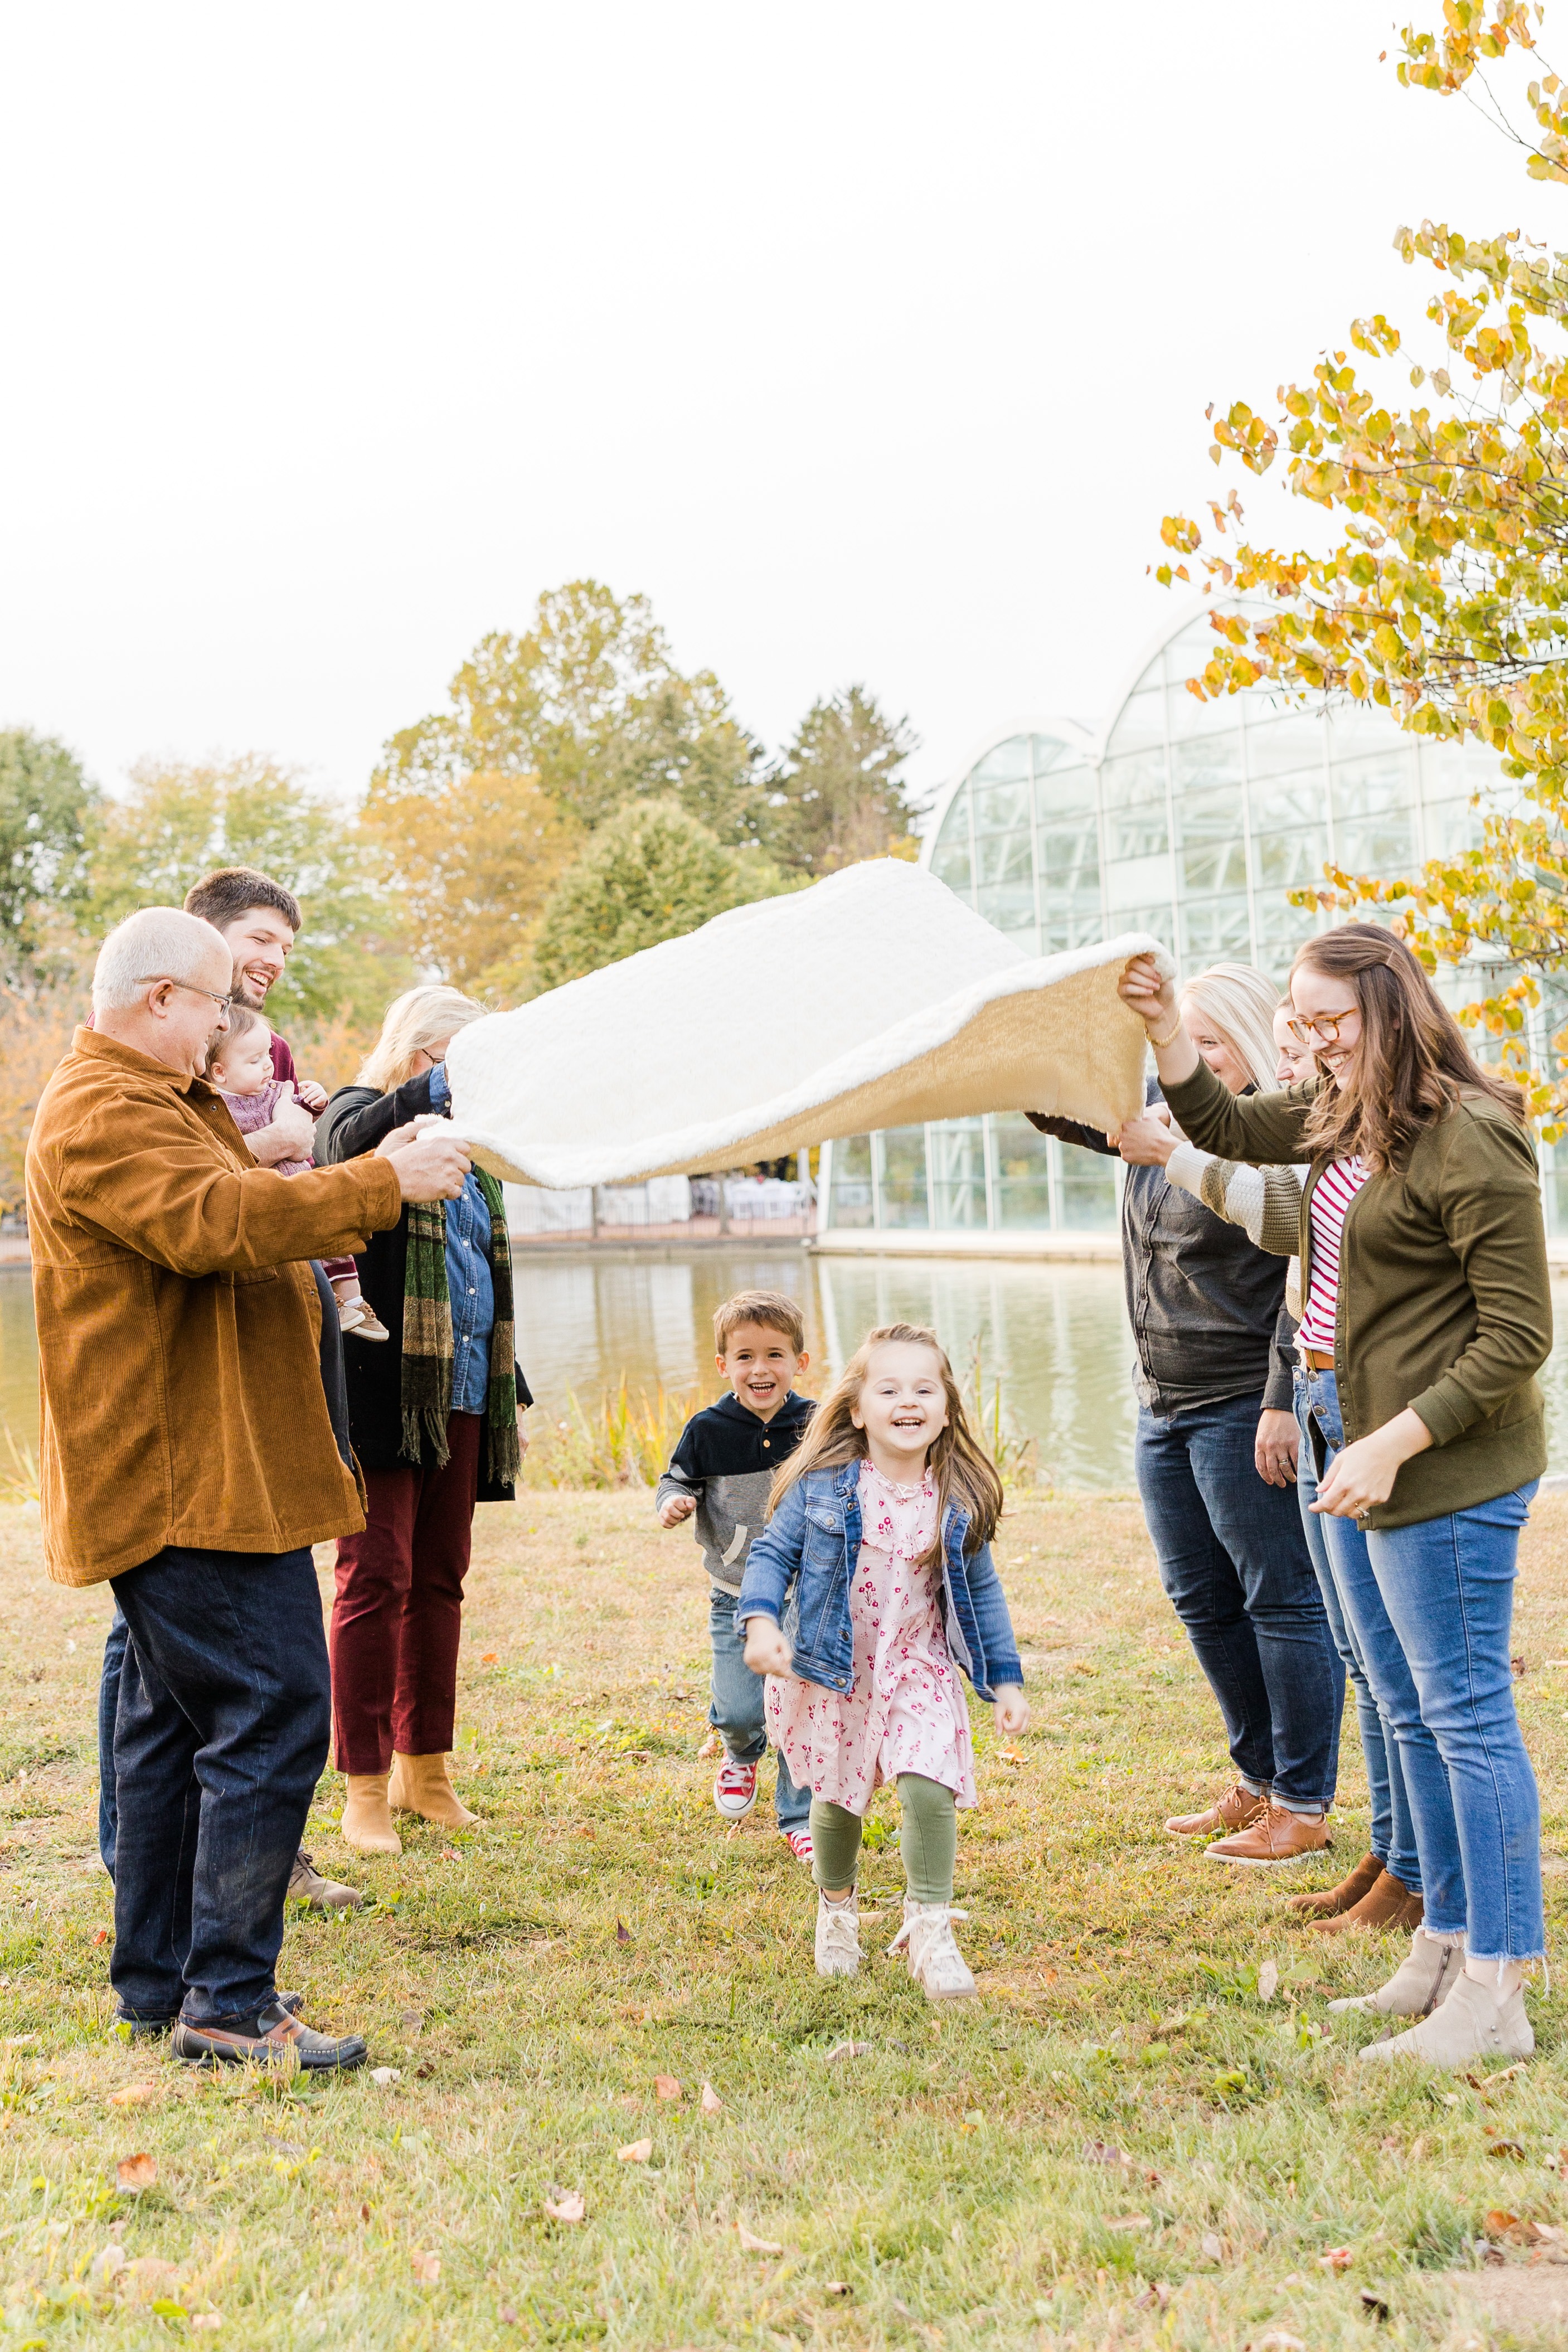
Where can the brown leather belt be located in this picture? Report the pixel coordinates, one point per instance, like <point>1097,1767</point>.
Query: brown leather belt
<point>1317,1359</point>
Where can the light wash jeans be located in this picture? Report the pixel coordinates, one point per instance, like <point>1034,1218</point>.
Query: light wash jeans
<point>736,1712</point>
<point>1447,1589</point>
<point>1392,1837</point>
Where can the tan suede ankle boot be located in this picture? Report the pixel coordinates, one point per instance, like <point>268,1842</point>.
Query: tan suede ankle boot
<point>422,1784</point>
<point>367,1820</point>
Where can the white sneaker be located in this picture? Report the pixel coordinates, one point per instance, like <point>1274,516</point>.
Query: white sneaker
<point>934,1960</point>
<point>735,1789</point>
<point>1422,1982</point>
<point>838,1936</point>
<point>1472,2023</point>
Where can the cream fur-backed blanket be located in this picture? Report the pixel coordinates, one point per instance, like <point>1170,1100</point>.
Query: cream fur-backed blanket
<point>873,999</point>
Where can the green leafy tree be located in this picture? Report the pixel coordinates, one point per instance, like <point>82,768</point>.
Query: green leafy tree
<point>181,819</point>
<point>1444,598</point>
<point>837,794</point>
<point>651,872</point>
<point>47,811</point>
<point>589,702</point>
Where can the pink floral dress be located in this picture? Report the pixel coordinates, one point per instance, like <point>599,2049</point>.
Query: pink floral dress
<point>904,1711</point>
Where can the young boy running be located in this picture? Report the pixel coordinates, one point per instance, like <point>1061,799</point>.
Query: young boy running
<point>721,1470</point>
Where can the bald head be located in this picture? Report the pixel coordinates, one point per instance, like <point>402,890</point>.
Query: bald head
<point>161,983</point>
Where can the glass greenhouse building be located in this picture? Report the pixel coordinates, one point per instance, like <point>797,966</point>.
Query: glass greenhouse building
<point>1192,820</point>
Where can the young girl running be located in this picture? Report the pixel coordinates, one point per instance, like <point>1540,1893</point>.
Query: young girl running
<point>879,1542</point>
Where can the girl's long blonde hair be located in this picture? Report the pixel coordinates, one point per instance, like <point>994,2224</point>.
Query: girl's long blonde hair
<point>418,1021</point>
<point>963,1471</point>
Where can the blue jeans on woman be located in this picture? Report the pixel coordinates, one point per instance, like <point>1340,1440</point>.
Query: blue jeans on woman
<point>1436,1654</point>
<point>1392,1837</point>
<point>1235,1565</point>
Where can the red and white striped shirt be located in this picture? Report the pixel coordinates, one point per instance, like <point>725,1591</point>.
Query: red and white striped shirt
<point>1336,1188</point>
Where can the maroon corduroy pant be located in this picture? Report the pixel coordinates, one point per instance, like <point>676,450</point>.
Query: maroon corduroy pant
<point>398,1616</point>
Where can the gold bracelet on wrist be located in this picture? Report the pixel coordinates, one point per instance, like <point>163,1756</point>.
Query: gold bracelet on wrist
<point>1169,1039</point>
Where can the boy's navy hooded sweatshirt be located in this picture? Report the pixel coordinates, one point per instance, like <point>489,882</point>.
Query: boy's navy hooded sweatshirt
<point>726,1458</point>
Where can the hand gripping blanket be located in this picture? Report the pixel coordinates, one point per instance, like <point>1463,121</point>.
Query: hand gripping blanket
<point>873,999</point>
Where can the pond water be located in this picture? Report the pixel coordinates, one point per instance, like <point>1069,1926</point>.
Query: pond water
<point>1055,1335</point>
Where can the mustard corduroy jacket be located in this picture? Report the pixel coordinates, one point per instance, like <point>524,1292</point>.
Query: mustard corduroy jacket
<point>178,1325</point>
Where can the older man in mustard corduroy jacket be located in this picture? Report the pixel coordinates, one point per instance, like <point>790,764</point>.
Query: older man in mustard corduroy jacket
<point>189,1457</point>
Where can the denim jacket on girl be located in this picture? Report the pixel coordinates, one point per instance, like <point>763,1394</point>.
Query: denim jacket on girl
<point>799,1574</point>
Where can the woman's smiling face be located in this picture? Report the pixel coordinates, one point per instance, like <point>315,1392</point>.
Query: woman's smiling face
<point>1328,1018</point>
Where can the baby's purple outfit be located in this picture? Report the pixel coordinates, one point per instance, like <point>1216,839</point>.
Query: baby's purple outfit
<point>251,1111</point>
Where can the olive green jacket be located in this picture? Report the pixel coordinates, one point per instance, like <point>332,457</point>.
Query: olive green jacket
<point>1444,1303</point>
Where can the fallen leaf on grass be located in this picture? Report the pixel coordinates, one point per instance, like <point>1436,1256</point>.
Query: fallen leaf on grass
<point>712,2105</point>
<point>569,2206</point>
<point>1267,1979</point>
<point>135,2173</point>
<point>1211,2247</point>
<point>507,2316</point>
<point>622,1933</point>
<point>710,1745</point>
<point>1100,2151</point>
<point>411,2020</point>
<point>1338,2258</point>
<point>386,2076</point>
<point>426,2268</point>
<point>665,2087</point>
<point>637,2152</point>
<point>1130,2221</point>
<point>751,2245</point>
<point>846,2050</point>
<point>112,2259</point>
<point>450,1853</point>
<point>1011,1755</point>
<point>101,1935</point>
<point>1491,2082</point>
<point>1508,2148</point>
<point>1080,1666</point>
<point>133,2095</point>
<point>1278,2339</point>
<point>148,2276</point>
<point>1159,2293</point>
<point>489,1657</point>
<point>207,2321</point>
<point>837,2286</point>
<point>1374,2305</point>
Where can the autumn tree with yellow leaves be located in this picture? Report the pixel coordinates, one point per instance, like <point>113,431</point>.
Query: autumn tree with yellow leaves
<point>1445,598</point>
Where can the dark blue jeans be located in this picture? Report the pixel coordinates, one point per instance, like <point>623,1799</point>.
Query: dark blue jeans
<point>736,1710</point>
<point>108,1703</point>
<point>1235,1566</point>
<point>220,1737</point>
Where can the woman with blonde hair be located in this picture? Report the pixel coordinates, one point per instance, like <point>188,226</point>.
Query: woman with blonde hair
<point>1215,1421</point>
<point>434,1421</point>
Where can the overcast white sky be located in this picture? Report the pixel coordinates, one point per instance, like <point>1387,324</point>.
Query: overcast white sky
<point>870,339</point>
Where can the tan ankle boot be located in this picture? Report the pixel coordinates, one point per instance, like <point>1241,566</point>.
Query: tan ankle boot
<point>367,1821</point>
<point>420,1784</point>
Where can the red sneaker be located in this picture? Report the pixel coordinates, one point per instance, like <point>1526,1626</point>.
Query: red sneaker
<point>798,1842</point>
<point>735,1790</point>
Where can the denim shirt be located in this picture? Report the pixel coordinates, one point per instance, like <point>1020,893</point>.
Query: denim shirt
<point>799,1572</point>
<point>467,1279</point>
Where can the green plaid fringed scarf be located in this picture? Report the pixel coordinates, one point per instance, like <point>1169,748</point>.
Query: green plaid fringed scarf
<point>427,1347</point>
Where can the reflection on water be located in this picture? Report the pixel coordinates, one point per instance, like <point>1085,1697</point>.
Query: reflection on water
<point>1056,1335</point>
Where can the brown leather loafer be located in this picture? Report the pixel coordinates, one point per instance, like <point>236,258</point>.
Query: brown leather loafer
<point>1389,1902</point>
<point>1329,1901</point>
<point>1233,1810</point>
<point>262,2040</point>
<point>1275,1837</point>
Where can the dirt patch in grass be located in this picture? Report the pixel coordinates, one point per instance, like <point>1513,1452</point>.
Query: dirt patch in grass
<point>1120,2142</point>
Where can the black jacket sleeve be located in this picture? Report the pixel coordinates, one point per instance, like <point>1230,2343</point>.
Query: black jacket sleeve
<point>1067,1130</point>
<point>358,1119</point>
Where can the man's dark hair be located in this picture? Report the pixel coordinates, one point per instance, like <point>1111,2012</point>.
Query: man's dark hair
<point>219,898</point>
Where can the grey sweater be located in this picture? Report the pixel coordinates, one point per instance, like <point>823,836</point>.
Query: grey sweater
<point>726,1458</point>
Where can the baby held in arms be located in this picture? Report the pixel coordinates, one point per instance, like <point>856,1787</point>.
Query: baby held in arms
<point>240,1066</point>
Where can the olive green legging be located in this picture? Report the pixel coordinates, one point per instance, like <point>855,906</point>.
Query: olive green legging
<point>929,1841</point>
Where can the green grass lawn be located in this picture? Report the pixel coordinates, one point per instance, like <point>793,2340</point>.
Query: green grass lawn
<point>1118,2143</point>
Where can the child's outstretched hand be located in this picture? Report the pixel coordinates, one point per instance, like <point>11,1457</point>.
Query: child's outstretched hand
<point>313,1097</point>
<point>767,1652</point>
<point>678,1508</point>
<point>1012,1709</point>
